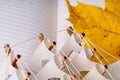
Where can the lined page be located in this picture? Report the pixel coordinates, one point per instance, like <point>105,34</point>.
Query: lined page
<point>21,20</point>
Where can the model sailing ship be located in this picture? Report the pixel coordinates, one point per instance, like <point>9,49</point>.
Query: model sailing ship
<point>71,62</point>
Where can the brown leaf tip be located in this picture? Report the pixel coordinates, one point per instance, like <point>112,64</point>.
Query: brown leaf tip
<point>94,49</point>
<point>106,66</point>
<point>70,27</point>
<point>18,56</point>
<point>65,57</point>
<point>28,73</point>
<point>54,42</point>
<point>6,45</point>
<point>83,34</point>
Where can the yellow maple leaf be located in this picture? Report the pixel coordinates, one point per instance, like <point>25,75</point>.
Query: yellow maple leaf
<point>101,26</point>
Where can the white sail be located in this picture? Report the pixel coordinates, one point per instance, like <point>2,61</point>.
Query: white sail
<point>82,63</point>
<point>89,53</point>
<point>18,75</point>
<point>96,73</point>
<point>79,62</point>
<point>50,70</point>
<point>69,46</point>
<point>114,70</point>
<point>47,42</point>
<point>66,77</point>
<point>41,56</point>
<point>7,69</point>
<point>78,39</point>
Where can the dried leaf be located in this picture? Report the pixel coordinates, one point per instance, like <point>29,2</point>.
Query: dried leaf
<point>102,27</point>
